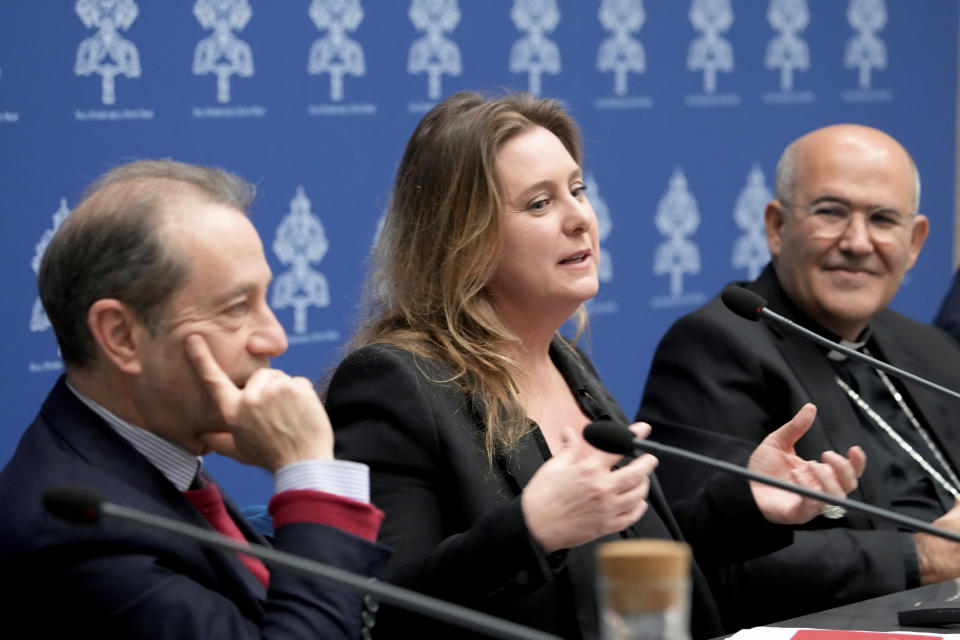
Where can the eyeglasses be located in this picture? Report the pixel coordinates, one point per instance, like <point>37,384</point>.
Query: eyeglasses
<point>831,220</point>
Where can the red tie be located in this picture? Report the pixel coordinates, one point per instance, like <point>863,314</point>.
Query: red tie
<point>209,502</point>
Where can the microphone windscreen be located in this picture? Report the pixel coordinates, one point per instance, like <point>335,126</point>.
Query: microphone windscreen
<point>73,505</point>
<point>743,302</point>
<point>609,436</point>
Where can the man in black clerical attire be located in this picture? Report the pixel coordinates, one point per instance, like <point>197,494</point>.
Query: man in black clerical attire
<point>842,230</point>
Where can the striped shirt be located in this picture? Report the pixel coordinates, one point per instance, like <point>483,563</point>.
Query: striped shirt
<point>339,477</point>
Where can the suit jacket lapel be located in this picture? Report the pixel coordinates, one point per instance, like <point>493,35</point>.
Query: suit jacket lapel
<point>519,465</point>
<point>657,522</point>
<point>94,441</point>
<point>101,447</point>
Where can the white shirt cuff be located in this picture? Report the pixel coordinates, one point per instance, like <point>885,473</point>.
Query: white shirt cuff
<point>344,478</point>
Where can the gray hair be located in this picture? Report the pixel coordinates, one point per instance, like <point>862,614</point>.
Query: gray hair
<point>785,182</point>
<point>110,246</point>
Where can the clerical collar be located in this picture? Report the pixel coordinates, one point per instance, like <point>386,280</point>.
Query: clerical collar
<point>836,356</point>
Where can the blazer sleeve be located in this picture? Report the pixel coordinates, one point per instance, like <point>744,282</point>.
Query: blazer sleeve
<point>723,524</point>
<point>420,440</point>
<point>118,581</point>
<point>732,381</point>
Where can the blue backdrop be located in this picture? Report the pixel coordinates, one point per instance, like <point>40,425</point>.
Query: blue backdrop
<point>685,107</point>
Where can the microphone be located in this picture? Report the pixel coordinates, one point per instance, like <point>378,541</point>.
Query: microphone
<point>615,438</point>
<point>85,507</point>
<point>749,305</point>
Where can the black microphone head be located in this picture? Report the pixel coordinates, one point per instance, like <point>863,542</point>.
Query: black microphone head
<point>608,436</point>
<point>74,505</point>
<point>743,302</point>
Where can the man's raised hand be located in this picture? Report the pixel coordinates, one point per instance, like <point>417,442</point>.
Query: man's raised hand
<point>273,421</point>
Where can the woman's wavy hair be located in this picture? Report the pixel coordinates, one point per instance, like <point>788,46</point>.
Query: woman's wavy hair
<point>441,242</point>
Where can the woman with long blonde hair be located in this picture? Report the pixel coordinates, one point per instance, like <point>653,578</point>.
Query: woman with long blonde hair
<point>468,405</point>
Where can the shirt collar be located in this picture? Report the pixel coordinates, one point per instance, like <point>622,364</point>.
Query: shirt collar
<point>861,342</point>
<point>177,465</point>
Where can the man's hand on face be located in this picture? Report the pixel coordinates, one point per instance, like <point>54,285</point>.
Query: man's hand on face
<point>273,421</point>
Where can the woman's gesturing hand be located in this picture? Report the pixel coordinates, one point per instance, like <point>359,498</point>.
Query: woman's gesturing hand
<point>576,496</point>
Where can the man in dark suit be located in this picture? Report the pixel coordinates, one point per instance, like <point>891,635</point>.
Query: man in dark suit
<point>156,289</point>
<point>842,230</point>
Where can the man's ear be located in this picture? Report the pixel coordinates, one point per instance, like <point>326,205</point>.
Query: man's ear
<point>119,332</point>
<point>773,218</point>
<point>918,235</point>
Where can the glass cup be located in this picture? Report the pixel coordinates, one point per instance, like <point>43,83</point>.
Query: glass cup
<point>644,590</point>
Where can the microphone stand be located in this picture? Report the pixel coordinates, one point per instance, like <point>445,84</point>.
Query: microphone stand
<point>854,505</point>
<point>751,306</point>
<point>614,438</point>
<point>856,355</point>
